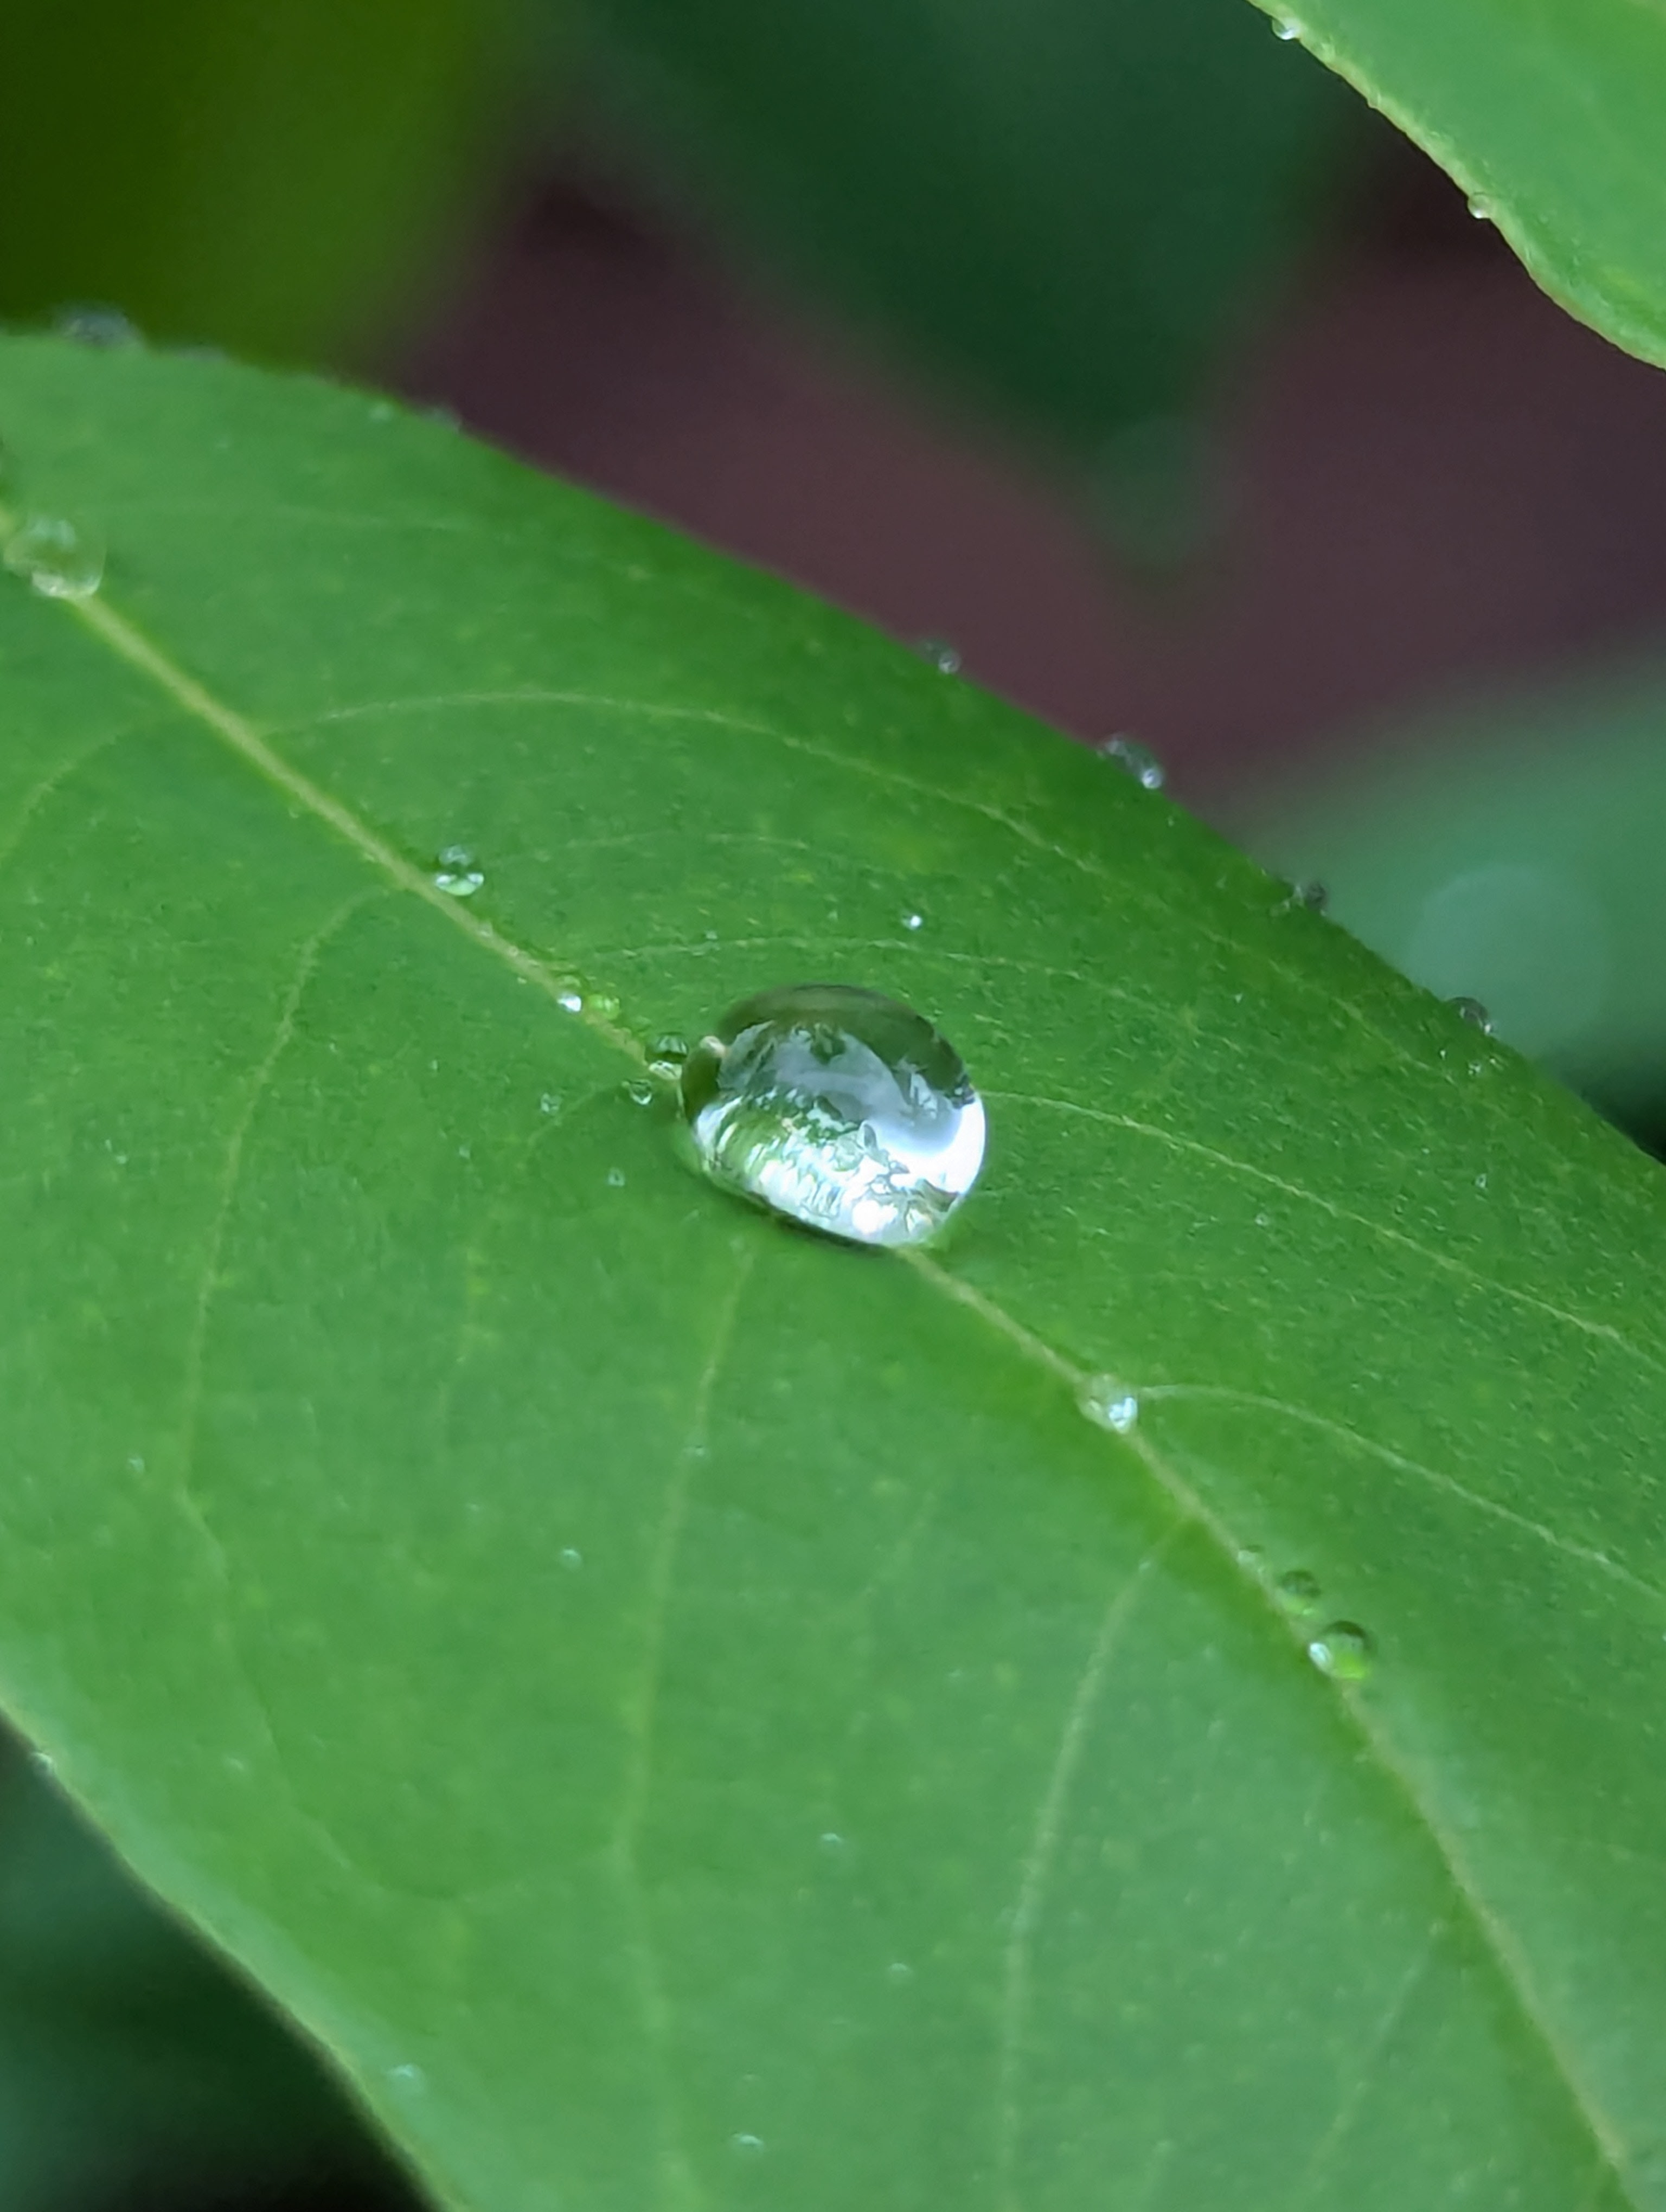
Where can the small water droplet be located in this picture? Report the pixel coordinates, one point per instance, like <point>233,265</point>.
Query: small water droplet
<point>604,1004</point>
<point>569,995</point>
<point>1310,895</point>
<point>43,1763</point>
<point>666,1054</point>
<point>1284,28</point>
<point>1136,760</point>
<point>1110,1403</point>
<point>408,2077</point>
<point>941,654</point>
<point>831,1844</point>
<point>1263,1221</point>
<point>1473,1011</point>
<point>641,1091</point>
<point>1299,1593</point>
<point>616,1178</point>
<point>62,560</point>
<point>447,418</point>
<point>572,1560</point>
<point>1481,1183</point>
<point>1251,1558</point>
<point>1344,1650</point>
<point>1481,207</point>
<point>456,873</point>
<point>748,2146</point>
<point>914,921</point>
<point>549,1102</point>
<point>137,1462</point>
<point>899,1970</point>
<point>90,324</point>
<point>841,1108</point>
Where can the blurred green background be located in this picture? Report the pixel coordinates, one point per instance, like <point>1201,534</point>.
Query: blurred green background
<point>1118,345</point>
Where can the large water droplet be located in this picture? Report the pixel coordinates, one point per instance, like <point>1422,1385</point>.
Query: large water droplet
<point>1136,760</point>
<point>1298,1592</point>
<point>1344,1650</point>
<point>1481,207</point>
<point>1109,1402</point>
<point>1473,1011</point>
<point>455,872</point>
<point>941,654</point>
<point>838,1107</point>
<point>88,324</point>
<point>59,558</point>
<point>1284,28</point>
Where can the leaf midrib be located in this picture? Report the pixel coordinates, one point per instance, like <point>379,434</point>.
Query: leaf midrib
<point>129,643</point>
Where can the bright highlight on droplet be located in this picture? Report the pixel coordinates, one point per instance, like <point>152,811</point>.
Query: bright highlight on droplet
<point>455,872</point>
<point>1473,1011</point>
<point>1344,1650</point>
<point>841,1108</point>
<point>1110,1403</point>
<point>1136,760</point>
<point>60,558</point>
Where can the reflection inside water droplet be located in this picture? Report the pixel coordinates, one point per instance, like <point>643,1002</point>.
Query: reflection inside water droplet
<point>666,1056</point>
<point>1136,760</point>
<point>1109,1402</point>
<point>1344,1650</point>
<point>1298,1592</point>
<point>842,1109</point>
<point>60,558</point>
<point>455,872</point>
<point>941,654</point>
<point>1284,28</point>
<point>639,1092</point>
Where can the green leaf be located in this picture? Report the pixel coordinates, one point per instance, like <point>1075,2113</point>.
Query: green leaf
<point>685,1712</point>
<point>1071,208</point>
<point>1509,848</point>
<point>1548,117</point>
<point>270,178</point>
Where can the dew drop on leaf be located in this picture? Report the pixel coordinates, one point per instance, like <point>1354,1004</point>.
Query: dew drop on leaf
<point>1312,895</point>
<point>1284,28</point>
<point>1136,760</point>
<point>616,1178</point>
<point>455,872</point>
<point>572,1560</point>
<point>841,1108</point>
<point>1109,1402</point>
<point>1343,1649</point>
<point>640,1090</point>
<point>914,921</point>
<point>941,654</point>
<point>60,558</point>
<point>1298,1592</point>
<point>747,2146</point>
<point>86,324</point>
<point>1473,1011</point>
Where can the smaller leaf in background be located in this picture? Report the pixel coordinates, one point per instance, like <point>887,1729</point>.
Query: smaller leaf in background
<point>1508,854</point>
<point>1549,118</point>
<point>1069,208</point>
<point>131,2060</point>
<point>267,178</point>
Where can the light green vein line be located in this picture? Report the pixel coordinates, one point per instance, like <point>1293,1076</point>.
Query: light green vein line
<point>133,647</point>
<point>1352,2101</point>
<point>1499,1939</point>
<point>1193,1148</point>
<point>121,636</point>
<point>1037,1870</point>
<point>680,2188</point>
<point>1251,1400</point>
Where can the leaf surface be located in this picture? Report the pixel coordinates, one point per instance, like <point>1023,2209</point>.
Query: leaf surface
<point>691,1715</point>
<point>1548,117</point>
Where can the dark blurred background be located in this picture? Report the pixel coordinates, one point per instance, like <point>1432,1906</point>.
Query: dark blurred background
<point>1118,349</point>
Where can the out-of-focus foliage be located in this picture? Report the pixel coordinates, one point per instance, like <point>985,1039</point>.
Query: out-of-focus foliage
<point>1509,851</point>
<point>266,175</point>
<point>1069,206</point>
